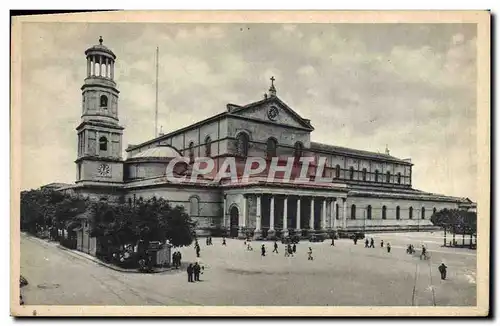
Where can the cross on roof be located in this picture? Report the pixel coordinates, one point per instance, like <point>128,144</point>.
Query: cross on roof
<point>272,80</point>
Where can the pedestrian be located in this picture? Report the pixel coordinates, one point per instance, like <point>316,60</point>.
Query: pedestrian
<point>333,241</point>
<point>207,241</point>
<point>275,247</point>
<point>249,246</point>
<point>294,248</point>
<point>388,247</point>
<point>381,243</point>
<point>197,270</point>
<point>263,250</point>
<point>288,249</point>
<point>309,254</point>
<point>442,270</point>
<point>190,271</point>
<point>211,240</point>
<point>366,243</point>
<point>198,251</point>
<point>424,253</point>
<point>372,243</point>
<point>224,241</point>
<point>174,259</point>
<point>355,239</point>
<point>179,258</point>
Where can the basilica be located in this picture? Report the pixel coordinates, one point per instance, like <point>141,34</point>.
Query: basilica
<point>366,191</point>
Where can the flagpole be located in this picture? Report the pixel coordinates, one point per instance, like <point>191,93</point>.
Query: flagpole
<point>156,99</point>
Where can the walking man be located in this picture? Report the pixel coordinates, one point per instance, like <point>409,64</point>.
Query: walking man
<point>275,247</point>
<point>372,243</point>
<point>197,251</point>
<point>263,250</point>
<point>309,254</point>
<point>224,241</point>
<point>294,248</point>
<point>366,243</point>
<point>333,241</point>
<point>424,253</point>
<point>442,270</point>
<point>190,272</point>
<point>197,270</point>
<point>388,247</point>
<point>381,243</point>
<point>355,239</point>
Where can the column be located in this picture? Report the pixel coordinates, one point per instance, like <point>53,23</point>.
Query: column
<point>323,215</point>
<point>112,69</point>
<point>311,217</point>
<point>88,66</point>
<point>100,66</point>
<point>106,69</point>
<point>285,217</point>
<point>297,227</point>
<point>92,65</point>
<point>258,219</point>
<point>271,215</point>
<point>344,215</point>
<point>334,213</point>
<point>97,142</point>
<point>243,218</point>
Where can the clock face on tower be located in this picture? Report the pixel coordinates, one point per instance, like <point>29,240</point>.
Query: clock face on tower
<point>104,170</point>
<point>272,113</point>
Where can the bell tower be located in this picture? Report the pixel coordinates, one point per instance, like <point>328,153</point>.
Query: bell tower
<point>99,157</point>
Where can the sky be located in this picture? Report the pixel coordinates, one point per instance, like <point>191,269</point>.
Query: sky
<point>411,87</point>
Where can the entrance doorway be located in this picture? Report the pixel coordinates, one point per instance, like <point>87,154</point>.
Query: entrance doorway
<point>233,222</point>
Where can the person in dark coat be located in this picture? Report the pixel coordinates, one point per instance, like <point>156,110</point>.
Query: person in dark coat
<point>388,247</point>
<point>197,248</point>
<point>333,241</point>
<point>294,248</point>
<point>179,258</point>
<point>355,239</point>
<point>275,247</point>
<point>442,270</point>
<point>366,243</point>
<point>263,250</point>
<point>197,271</point>
<point>372,243</point>
<point>381,243</point>
<point>190,271</point>
<point>224,241</point>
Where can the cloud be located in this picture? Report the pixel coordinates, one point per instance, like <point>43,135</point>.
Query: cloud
<point>364,86</point>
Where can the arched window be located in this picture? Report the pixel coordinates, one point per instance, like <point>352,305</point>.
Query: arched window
<point>376,175</point>
<point>364,174</point>
<point>194,206</point>
<point>271,147</point>
<point>410,213</point>
<point>398,213</point>
<point>388,177</point>
<point>399,177</point>
<point>353,212</point>
<point>103,143</point>
<point>384,212</point>
<point>369,212</point>
<point>242,144</point>
<point>351,173</point>
<point>104,101</point>
<point>208,146</point>
<point>423,213</point>
<point>337,171</point>
<point>191,152</point>
<point>336,211</point>
<point>298,147</point>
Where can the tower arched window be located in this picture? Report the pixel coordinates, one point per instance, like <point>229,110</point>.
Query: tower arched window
<point>353,212</point>
<point>191,152</point>
<point>384,212</point>
<point>271,147</point>
<point>208,146</point>
<point>369,212</point>
<point>376,175</point>
<point>388,177</point>
<point>399,177</point>
<point>194,206</point>
<point>410,213</point>
<point>423,213</point>
<point>364,174</point>
<point>337,171</point>
<point>298,150</point>
<point>103,143</point>
<point>336,211</point>
<point>398,212</point>
<point>104,101</point>
<point>351,173</point>
<point>242,144</point>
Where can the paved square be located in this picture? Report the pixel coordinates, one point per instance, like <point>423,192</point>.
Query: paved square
<point>346,275</point>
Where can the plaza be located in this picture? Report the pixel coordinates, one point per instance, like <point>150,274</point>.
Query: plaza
<point>342,275</point>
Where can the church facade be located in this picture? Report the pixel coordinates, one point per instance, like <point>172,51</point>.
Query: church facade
<point>365,190</point>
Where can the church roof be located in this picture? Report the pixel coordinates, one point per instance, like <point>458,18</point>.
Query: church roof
<point>101,48</point>
<point>163,151</point>
<point>356,152</point>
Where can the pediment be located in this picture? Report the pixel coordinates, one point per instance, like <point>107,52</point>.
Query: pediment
<point>273,110</point>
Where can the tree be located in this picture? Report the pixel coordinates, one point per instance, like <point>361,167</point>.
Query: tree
<point>455,221</point>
